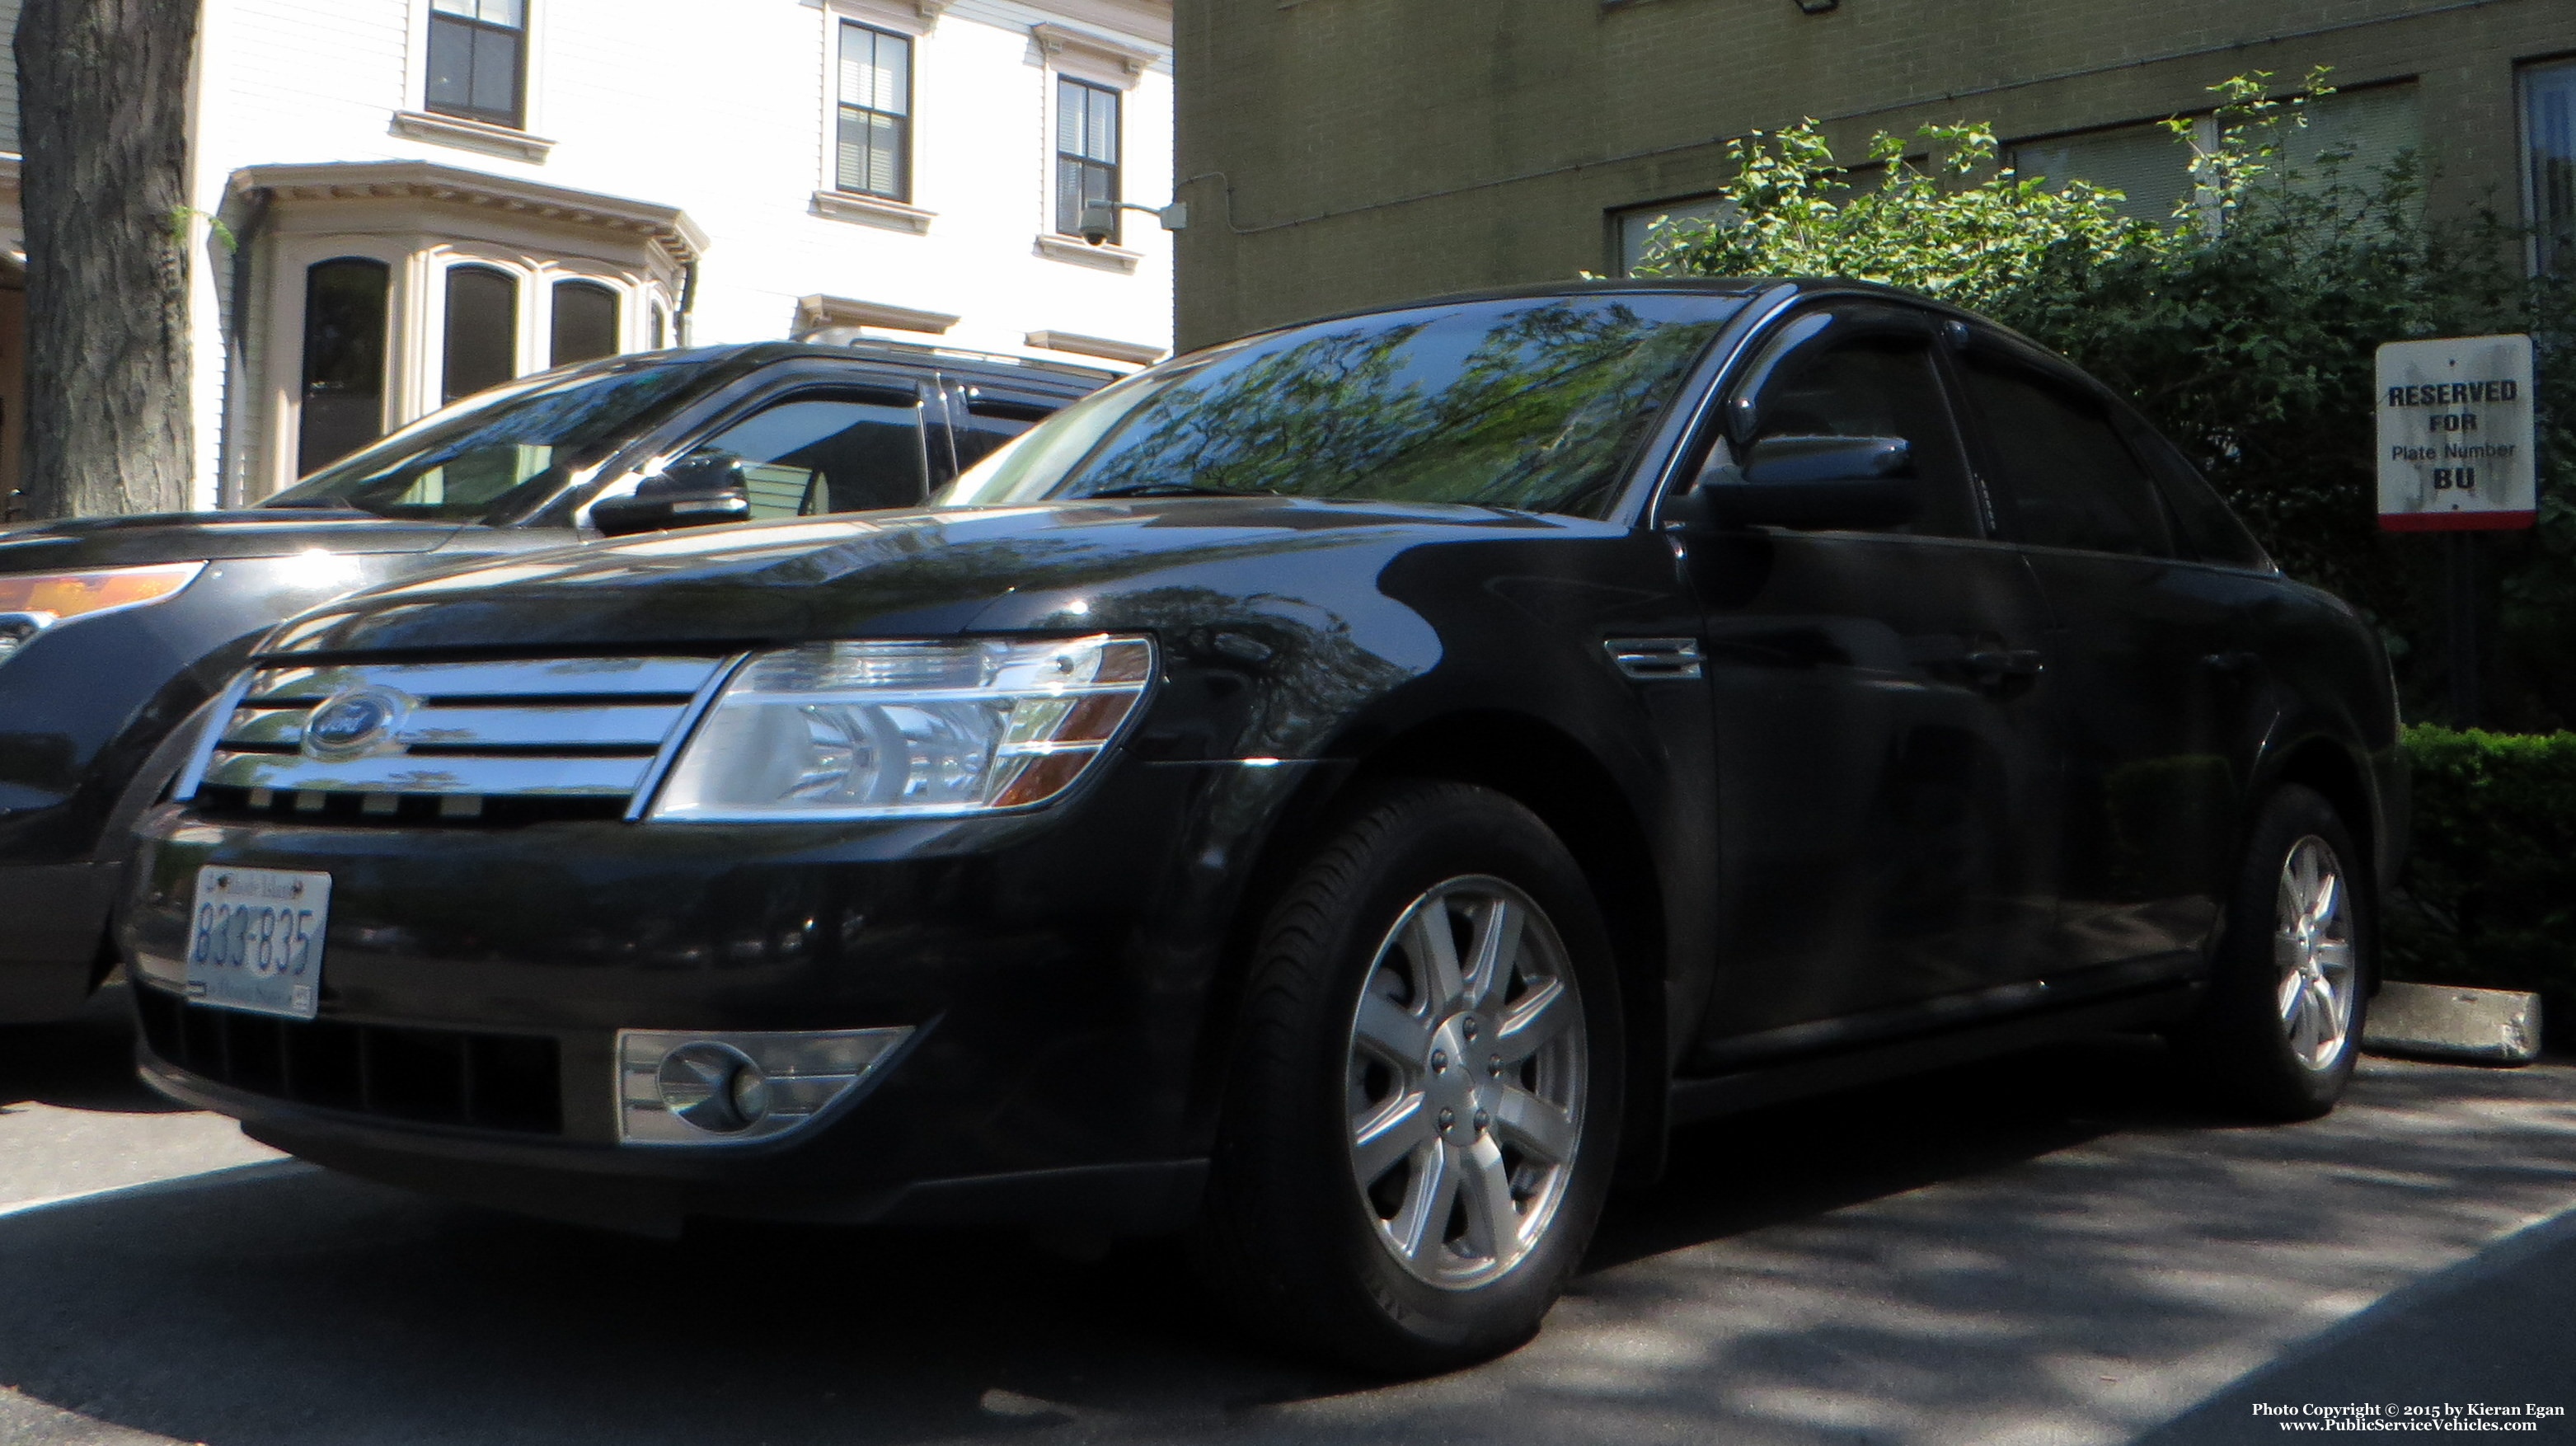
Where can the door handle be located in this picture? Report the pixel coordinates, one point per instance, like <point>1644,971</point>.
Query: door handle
<point>2232,664</point>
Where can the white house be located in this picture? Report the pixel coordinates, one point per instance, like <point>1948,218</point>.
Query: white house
<point>420,198</point>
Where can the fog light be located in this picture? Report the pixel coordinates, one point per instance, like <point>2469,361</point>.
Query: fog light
<point>713,1086</point>
<point>687,1088</point>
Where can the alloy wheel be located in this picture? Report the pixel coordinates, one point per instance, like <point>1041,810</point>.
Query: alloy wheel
<point>1465,1077</point>
<point>2312,945</point>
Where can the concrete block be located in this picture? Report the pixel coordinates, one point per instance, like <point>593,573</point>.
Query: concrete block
<point>2444,1021</point>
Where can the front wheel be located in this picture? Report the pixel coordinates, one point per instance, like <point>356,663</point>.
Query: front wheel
<point>2281,1028</point>
<point>1425,1104</point>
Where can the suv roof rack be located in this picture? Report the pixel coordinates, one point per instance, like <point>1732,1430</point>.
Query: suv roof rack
<point>915,349</point>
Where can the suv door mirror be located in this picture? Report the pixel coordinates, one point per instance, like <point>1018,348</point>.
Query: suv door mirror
<point>1809,482</point>
<point>700,490</point>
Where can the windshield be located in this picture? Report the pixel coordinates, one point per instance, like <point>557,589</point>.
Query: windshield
<point>1534,404</point>
<point>495,453</point>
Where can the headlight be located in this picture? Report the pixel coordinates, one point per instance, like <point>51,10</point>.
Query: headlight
<point>33,602</point>
<point>891,730</point>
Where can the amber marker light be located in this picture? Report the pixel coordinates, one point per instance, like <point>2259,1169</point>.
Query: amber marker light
<point>33,602</point>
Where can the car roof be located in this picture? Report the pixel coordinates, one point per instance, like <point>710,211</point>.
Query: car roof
<point>982,366</point>
<point>1775,288</point>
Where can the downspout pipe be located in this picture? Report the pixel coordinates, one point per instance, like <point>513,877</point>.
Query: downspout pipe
<point>228,483</point>
<point>688,301</point>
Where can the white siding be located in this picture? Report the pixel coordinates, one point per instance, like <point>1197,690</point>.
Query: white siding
<point>720,110</point>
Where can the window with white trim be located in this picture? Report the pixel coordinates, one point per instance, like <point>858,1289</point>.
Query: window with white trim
<point>1086,151</point>
<point>874,147</point>
<point>478,60</point>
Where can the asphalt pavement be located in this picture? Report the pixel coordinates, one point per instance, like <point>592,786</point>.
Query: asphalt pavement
<point>2048,1249</point>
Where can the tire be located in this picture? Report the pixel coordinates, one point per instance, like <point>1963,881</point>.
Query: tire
<point>2288,992</point>
<point>1349,1054</point>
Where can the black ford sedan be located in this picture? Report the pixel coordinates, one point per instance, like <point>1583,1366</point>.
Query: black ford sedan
<point>1346,793</point>
<point>114,629</point>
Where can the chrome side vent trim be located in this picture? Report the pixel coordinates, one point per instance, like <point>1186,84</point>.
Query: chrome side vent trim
<point>1652,660</point>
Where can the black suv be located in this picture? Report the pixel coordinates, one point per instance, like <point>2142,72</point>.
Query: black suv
<point>1347,793</point>
<point>113,629</point>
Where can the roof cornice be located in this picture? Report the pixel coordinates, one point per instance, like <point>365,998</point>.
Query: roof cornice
<point>667,227</point>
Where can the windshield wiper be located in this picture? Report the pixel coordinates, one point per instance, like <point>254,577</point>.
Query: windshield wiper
<point>1175,489</point>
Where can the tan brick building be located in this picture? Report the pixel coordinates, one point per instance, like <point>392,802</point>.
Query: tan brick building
<point>1343,152</point>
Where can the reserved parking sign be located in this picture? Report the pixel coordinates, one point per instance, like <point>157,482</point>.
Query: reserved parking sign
<point>2455,434</point>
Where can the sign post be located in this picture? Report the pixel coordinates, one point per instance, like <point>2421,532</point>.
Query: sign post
<point>2455,457</point>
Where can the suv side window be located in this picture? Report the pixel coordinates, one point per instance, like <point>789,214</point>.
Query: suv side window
<point>836,450</point>
<point>2209,530</point>
<point>1836,375</point>
<point>2067,479</point>
<point>985,419</point>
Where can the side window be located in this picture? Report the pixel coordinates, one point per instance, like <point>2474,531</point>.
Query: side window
<point>985,422</point>
<point>837,451</point>
<point>2207,528</point>
<point>1842,379</point>
<point>2067,478</point>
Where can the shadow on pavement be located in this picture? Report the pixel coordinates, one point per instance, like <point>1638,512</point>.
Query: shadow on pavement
<point>1956,1258</point>
<point>82,1063</point>
<point>2496,1330</point>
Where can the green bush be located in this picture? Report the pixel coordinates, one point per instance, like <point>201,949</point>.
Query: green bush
<point>2489,896</point>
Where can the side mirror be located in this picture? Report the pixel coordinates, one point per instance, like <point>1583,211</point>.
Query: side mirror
<point>699,490</point>
<point>1809,482</point>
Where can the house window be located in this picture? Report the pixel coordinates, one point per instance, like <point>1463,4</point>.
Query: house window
<point>2549,163</point>
<point>585,323</point>
<point>875,153</point>
<point>482,330</point>
<point>478,59</point>
<point>1086,151</point>
<point>344,360</point>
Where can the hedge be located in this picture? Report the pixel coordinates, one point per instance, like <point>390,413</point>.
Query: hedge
<point>2489,892</point>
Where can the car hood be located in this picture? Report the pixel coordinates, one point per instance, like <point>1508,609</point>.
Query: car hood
<point>1141,564</point>
<point>82,543</point>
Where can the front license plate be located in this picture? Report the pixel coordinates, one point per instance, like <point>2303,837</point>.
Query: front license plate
<point>256,942</point>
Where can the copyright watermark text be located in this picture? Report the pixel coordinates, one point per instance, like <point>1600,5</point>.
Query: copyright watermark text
<point>2400,1416</point>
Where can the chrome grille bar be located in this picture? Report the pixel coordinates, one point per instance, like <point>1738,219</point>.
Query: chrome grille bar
<point>587,728</point>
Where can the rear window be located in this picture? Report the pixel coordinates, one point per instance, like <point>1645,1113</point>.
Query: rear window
<point>1533,404</point>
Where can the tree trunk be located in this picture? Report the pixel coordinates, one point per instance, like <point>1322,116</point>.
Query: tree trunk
<point>103,117</point>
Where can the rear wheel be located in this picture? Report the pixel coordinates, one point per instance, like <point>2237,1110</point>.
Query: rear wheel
<point>2282,1026</point>
<point>1425,1098</point>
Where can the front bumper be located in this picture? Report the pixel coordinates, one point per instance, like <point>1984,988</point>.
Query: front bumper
<point>1056,968</point>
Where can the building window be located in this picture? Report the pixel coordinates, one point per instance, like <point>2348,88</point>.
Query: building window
<point>1086,151</point>
<point>875,156</point>
<point>344,360</point>
<point>661,329</point>
<point>478,59</point>
<point>2352,138</point>
<point>1636,226</point>
<point>585,323</point>
<point>2549,163</point>
<point>482,330</point>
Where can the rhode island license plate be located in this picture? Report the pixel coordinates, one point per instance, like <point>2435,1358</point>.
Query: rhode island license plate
<point>256,940</point>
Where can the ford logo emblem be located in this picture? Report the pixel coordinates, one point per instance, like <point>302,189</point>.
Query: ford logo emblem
<point>355,724</point>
